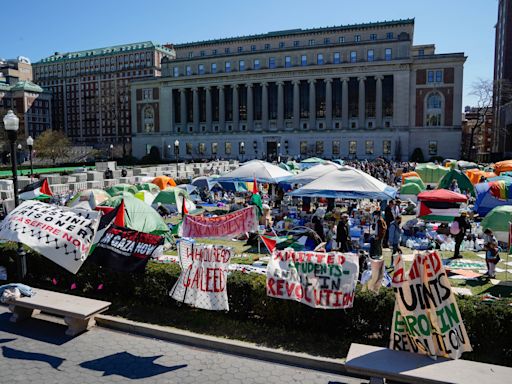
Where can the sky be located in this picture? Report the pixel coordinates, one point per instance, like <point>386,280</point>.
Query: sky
<point>41,28</point>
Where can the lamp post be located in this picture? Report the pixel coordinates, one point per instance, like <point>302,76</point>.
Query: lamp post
<point>111,151</point>
<point>242,150</point>
<point>278,153</point>
<point>255,146</point>
<point>176,153</point>
<point>12,124</point>
<point>30,146</point>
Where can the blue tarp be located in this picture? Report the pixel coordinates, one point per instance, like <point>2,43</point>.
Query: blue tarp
<point>485,201</point>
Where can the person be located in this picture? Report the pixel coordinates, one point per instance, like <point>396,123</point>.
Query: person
<point>380,231</point>
<point>388,217</point>
<point>395,236</point>
<point>463,224</point>
<point>318,227</point>
<point>491,253</point>
<point>343,234</point>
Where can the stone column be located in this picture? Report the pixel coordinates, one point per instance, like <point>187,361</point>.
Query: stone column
<point>183,109</point>
<point>362,99</point>
<point>328,103</point>
<point>173,112</point>
<point>280,105</point>
<point>264,106</point>
<point>378,101</point>
<point>222,108</point>
<point>250,107</point>
<point>296,104</point>
<point>344,103</point>
<point>236,110</point>
<point>312,103</point>
<point>195,102</point>
<point>208,105</point>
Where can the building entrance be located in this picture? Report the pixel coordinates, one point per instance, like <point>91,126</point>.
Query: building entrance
<point>271,150</point>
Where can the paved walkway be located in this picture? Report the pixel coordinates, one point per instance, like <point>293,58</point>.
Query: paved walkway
<point>37,351</point>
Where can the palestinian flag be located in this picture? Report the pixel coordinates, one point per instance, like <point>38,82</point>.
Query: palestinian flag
<point>184,210</point>
<point>269,242</point>
<point>256,198</point>
<point>113,216</point>
<point>438,211</point>
<point>40,190</point>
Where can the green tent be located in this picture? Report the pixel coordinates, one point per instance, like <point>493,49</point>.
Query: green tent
<point>285,166</point>
<point>313,160</point>
<point>138,215</point>
<point>462,181</point>
<point>430,172</point>
<point>410,189</point>
<point>498,221</point>
<point>417,181</point>
<point>153,188</point>
<point>293,165</point>
<point>120,188</point>
<point>171,196</point>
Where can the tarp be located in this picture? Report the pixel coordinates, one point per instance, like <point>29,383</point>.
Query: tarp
<point>503,166</point>
<point>492,194</point>
<point>430,172</point>
<point>463,181</point>
<point>138,215</point>
<point>260,170</point>
<point>163,182</point>
<point>88,198</point>
<point>175,196</point>
<point>347,183</point>
<point>415,180</point>
<point>120,188</point>
<point>313,173</point>
<point>498,220</point>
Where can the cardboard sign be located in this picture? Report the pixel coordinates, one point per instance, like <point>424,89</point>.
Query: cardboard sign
<point>202,282</point>
<point>61,234</point>
<point>426,318</point>
<point>317,279</point>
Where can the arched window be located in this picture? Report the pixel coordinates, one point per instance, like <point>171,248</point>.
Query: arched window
<point>434,111</point>
<point>149,119</point>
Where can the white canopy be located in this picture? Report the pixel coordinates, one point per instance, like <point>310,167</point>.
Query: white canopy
<point>347,183</point>
<point>261,170</point>
<point>313,173</point>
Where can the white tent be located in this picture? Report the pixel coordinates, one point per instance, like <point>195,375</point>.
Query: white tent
<point>347,183</point>
<point>313,173</point>
<point>261,170</point>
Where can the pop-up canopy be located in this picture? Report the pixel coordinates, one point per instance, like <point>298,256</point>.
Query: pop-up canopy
<point>260,170</point>
<point>440,205</point>
<point>313,173</point>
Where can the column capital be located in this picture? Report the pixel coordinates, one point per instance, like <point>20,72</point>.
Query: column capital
<point>361,78</point>
<point>379,77</point>
<point>234,86</point>
<point>220,87</point>
<point>207,88</point>
<point>195,89</point>
<point>311,81</point>
<point>264,84</point>
<point>328,80</point>
<point>249,85</point>
<point>182,90</point>
<point>296,82</point>
<point>345,79</point>
<point>280,83</point>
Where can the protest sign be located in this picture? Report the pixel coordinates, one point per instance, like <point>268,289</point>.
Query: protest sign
<point>426,318</point>
<point>202,282</point>
<point>61,234</point>
<point>229,225</point>
<point>125,250</point>
<point>317,279</point>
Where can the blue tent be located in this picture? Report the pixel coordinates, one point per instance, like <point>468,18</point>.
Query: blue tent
<point>492,194</point>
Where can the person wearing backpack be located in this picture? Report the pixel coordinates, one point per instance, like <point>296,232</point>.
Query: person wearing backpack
<point>458,229</point>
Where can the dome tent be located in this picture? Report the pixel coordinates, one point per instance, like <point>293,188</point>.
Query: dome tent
<point>431,173</point>
<point>120,188</point>
<point>498,221</point>
<point>462,181</point>
<point>153,188</point>
<point>410,189</point>
<point>163,182</point>
<point>415,180</point>
<point>88,198</point>
<point>492,194</point>
<point>175,196</point>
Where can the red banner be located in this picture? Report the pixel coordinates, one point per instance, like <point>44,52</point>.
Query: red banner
<point>232,224</point>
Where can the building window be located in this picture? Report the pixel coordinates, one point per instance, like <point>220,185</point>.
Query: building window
<point>386,147</point>
<point>387,54</point>
<point>202,53</point>
<point>149,119</point>
<point>271,62</point>
<point>319,147</point>
<point>190,55</point>
<point>188,148</point>
<point>287,61</point>
<point>368,145</point>
<point>227,148</point>
<point>373,36</point>
<point>432,147</point>
<point>320,59</point>
<point>430,76</point>
<point>357,38</point>
<point>370,55</point>
<point>241,65</point>
<point>201,148</point>
<point>327,41</point>
<point>336,59</point>
<point>439,76</point>
<point>267,46</point>
<point>281,44</point>
<point>353,56</point>
<point>256,64</point>
<point>389,35</point>
<point>434,110</point>
<point>176,72</point>
<point>227,66</point>
<point>296,43</point>
<point>188,70</point>
<point>336,147</point>
<point>200,69</point>
<point>213,68</point>
<point>311,42</point>
<point>227,50</point>
<point>240,49</point>
<point>253,47</point>
<point>303,60</point>
<point>215,147</point>
<point>352,147</point>
<point>303,147</point>
<point>421,52</point>
<point>147,93</point>
<point>341,39</point>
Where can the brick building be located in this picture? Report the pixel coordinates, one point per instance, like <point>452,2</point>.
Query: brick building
<point>478,149</point>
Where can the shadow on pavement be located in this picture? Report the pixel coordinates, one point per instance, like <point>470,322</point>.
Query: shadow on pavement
<point>11,353</point>
<point>40,330</point>
<point>130,366</point>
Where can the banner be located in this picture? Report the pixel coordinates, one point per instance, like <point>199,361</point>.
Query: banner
<point>125,250</point>
<point>320,280</point>
<point>61,234</point>
<point>232,224</point>
<point>204,270</point>
<point>426,318</point>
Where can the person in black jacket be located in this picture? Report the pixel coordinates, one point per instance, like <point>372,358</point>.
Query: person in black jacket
<point>343,234</point>
<point>464,225</point>
<point>389,217</point>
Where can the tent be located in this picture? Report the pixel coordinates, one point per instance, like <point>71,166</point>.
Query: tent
<point>492,194</point>
<point>189,188</point>
<point>463,165</point>
<point>431,173</point>
<point>498,220</point>
<point>409,174</point>
<point>145,196</point>
<point>475,175</point>
<point>410,191</point>
<point>120,188</point>
<point>206,182</point>
<point>313,173</point>
<point>462,181</point>
<point>440,205</point>
<point>311,162</point>
<point>347,183</point>
<point>284,166</point>
<point>153,188</point>
<point>163,182</point>
<point>175,196</point>
<point>415,180</point>
<point>502,166</point>
<point>449,163</point>
<point>260,170</point>
<point>138,215</point>
<point>234,186</point>
<point>88,198</point>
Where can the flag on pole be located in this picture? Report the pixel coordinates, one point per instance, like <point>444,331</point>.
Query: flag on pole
<point>255,186</point>
<point>269,242</point>
<point>119,218</point>
<point>510,238</point>
<point>39,190</point>
<point>113,215</point>
<point>184,210</point>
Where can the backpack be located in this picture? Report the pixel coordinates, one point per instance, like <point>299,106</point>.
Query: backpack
<point>455,228</point>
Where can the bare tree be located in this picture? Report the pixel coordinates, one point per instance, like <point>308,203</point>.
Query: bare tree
<point>482,89</point>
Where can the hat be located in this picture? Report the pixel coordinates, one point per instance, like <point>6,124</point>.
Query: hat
<point>464,213</point>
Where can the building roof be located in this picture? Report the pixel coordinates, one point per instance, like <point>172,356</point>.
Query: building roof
<point>26,86</point>
<point>298,31</point>
<point>4,86</point>
<point>104,51</point>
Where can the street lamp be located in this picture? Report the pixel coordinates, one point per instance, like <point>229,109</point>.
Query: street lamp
<point>242,150</point>
<point>30,145</point>
<point>12,124</point>
<point>176,153</point>
<point>168,151</point>
<point>255,146</point>
<point>278,153</point>
<point>111,151</point>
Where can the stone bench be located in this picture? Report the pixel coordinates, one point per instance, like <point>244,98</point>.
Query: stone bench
<point>405,367</point>
<point>78,312</point>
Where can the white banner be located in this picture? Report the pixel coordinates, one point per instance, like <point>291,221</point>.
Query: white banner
<point>61,234</point>
<point>202,282</point>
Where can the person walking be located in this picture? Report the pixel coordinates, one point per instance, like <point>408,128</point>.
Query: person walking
<point>461,225</point>
<point>380,232</point>
<point>491,253</point>
<point>395,236</point>
<point>388,218</point>
<point>343,234</point>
